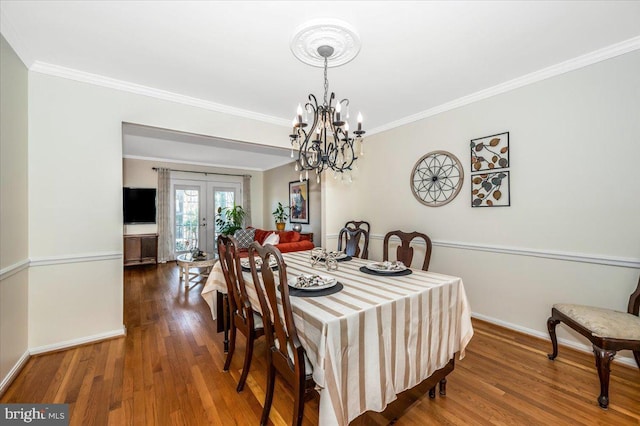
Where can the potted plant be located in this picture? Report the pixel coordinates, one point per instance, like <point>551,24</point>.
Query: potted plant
<point>280,215</point>
<point>230,219</point>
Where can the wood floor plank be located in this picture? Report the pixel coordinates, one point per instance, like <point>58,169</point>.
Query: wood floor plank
<point>168,371</point>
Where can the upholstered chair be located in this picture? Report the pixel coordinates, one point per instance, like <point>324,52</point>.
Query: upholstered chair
<point>285,353</point>
<point>609,331</point>
<point>349,241</point>
<point>241,316</point>
<point>404,252</point>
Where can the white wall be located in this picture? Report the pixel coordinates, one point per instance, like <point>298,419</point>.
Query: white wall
<point>75,198</point>
<point>14,255</point>
<point>276,188</point>
<point>574,191</point>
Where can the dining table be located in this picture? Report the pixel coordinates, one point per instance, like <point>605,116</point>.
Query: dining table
<point>373,335</point>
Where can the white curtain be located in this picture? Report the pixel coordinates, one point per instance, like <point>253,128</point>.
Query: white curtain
<point>246,199</point>
<point>166,248</point>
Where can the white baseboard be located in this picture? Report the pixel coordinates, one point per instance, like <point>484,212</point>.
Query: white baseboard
<point>77,342</point>
<point>570,343</point>
<point>6,381</point>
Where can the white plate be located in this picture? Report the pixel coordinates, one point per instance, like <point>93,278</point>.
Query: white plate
<point>328,283</point>
<point>245,263</point>
<point>385,267</point>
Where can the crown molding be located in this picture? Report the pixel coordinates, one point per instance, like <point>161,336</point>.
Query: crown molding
<point>10,34</point>
<point>563,67</point>
<point>545,73</point>
<point>125,86</point>
<point>192,163</point>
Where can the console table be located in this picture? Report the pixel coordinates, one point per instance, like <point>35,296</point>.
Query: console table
<point>140,249</point>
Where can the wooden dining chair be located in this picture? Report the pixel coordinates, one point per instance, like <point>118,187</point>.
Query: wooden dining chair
<point>350,239</point>
<point>241,315</point>
<point>285,353</point>
<point>404,252</point>
<point>609,331</point>
<point>361,224</point>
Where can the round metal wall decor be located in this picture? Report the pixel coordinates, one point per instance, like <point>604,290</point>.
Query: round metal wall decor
<point>437,178</point>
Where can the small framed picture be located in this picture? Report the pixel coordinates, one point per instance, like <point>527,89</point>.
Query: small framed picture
<point>299,201</point>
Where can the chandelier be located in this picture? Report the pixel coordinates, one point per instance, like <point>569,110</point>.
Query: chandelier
<point>321,134</point>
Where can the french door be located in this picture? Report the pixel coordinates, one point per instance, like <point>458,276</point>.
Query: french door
<point>194,207</point>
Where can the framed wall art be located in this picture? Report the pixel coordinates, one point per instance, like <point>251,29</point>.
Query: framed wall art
<point>436,178</point>
<point>490,171</point>
<point>299,201</point>
<point>490,189</point>
<point>490,152</point>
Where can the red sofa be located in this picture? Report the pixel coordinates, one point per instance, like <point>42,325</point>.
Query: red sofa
<point>289,241</point>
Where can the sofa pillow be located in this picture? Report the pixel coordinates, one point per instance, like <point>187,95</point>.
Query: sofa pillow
<point>261,234</point>
<point>272,238</point>
<point>244,237</point>
<point>289,236</point>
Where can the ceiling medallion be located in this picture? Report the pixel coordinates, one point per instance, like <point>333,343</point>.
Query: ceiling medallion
<point>325,32</point>
<point>437,178</point>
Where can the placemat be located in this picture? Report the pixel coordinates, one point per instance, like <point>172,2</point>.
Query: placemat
<point>298,292</point>
<point>385,274</point>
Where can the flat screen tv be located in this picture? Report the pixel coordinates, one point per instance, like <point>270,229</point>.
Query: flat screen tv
<point>139,205</point>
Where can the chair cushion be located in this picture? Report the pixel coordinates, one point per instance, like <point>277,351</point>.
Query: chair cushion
<point>605,323</point>
<point>308,368</point>
<point>244,237</point>
<point>257,320</point>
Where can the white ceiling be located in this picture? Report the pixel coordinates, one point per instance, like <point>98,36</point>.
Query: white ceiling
<point>417,58</point>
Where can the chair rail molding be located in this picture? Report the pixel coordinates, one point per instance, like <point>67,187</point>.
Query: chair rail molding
<point>523,251</point>
<point>14,269</point>
<point>76,258</point>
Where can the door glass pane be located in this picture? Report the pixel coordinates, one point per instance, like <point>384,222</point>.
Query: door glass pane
<point>222,198</point>
<point>187,203</point>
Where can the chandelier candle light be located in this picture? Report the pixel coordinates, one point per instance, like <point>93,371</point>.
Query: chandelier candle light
<point>327,143</point>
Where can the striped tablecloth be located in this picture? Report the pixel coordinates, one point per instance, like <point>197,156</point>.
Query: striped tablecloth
<point>377,337</point>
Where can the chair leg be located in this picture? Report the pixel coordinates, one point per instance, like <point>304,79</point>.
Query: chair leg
<point>268,399</point>
<point>636,355</point>
<point>552,322</point>
<point>226,320</point>
<point>443,386</point>
<point>603,362</point>
<point>432,392</point>
<point>248,355</point>
<point>231,347</point>
<point>298,406</point>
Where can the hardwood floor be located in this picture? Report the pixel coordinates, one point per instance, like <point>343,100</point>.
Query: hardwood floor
<point>168,371</point>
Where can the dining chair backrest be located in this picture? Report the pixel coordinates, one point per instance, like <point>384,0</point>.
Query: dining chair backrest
<point>404,252</point>
<point>286,351</point>
<point>350,239</point>
<point>358,224</point>
<point>239,305</point>
<point>361,224</point>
